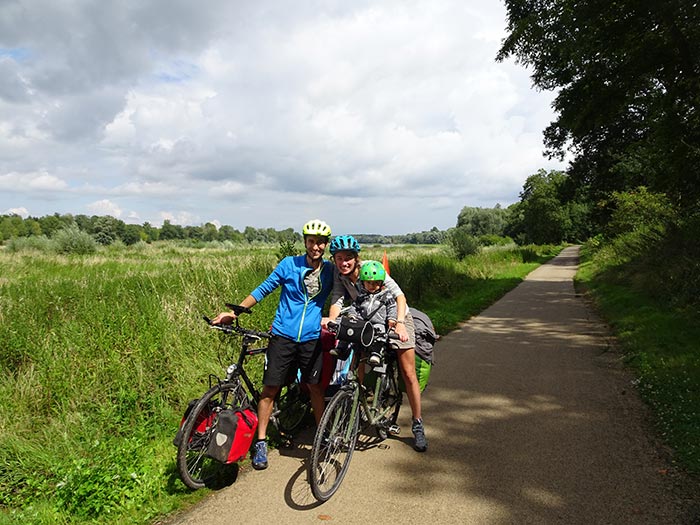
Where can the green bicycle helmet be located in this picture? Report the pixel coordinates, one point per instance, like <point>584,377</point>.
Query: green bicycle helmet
<point>316,227</point>
<point>344,243</point>
<point>372,271</point>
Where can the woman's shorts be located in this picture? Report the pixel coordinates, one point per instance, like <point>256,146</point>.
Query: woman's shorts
<point>411,329</point>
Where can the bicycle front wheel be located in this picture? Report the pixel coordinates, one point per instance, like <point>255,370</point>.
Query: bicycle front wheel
<point>334,444</point>
<point>196,469</point>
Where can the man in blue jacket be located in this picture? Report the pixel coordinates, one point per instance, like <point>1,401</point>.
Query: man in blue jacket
<point>305,281</point>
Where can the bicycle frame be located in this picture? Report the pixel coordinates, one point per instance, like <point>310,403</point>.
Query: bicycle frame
<point>237,369</point>
<point>374,414</point>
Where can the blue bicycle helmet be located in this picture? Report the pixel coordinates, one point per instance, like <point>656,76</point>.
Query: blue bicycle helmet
<point>344,243</point>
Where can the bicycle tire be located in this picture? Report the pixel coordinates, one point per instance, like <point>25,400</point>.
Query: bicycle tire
<point>293,408</point>
<point>196,469</point>
<point>390,396</point>
<point>334,444</point>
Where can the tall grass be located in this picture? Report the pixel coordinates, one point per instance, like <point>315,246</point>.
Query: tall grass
<point>101,353</point>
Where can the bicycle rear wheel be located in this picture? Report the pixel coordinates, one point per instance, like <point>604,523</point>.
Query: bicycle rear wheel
<point>293,407</point>
<point>334,444</point>
<point>196,469</point>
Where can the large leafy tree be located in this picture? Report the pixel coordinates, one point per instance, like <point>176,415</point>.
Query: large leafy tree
<point>482,221</point>
<point>627,74</point>
<point>546,214</point>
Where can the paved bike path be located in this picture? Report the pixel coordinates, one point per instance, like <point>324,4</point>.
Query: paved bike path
<point>530,419</point>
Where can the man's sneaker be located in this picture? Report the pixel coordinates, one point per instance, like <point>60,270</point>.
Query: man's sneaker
<point>260,455</point>
<point>375,359</point>
<point>419,441</point>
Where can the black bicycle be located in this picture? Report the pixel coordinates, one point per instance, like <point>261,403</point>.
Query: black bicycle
<point>355,404</point>
<point>235,391</point>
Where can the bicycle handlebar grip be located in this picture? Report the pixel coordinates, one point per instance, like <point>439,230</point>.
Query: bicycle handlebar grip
<point>238,309</point>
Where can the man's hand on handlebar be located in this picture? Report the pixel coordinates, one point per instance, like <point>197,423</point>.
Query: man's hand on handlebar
<point>224,318</point>
<point>236,310</point>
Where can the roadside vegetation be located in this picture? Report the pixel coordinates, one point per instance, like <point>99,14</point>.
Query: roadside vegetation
<point>103,350</point>
<point>644,276</point>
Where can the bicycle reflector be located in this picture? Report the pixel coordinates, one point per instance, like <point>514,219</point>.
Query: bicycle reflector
<point>355,330</point>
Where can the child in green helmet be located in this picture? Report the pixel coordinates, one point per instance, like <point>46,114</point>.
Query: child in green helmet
<point>375,304</point>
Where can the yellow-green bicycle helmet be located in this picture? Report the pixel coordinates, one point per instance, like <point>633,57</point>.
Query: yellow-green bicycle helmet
<point>316,227</point>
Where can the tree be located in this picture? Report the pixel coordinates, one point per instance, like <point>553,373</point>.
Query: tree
<point>133,233</point>
<point>151,233</point>
<point>482,221</point>
<point>12,226</point>
<point>250,234</point>
<point>543,216</point>
<point>50,224</point>
<point>171,231</point>
<point>105,229</point>
<point>228,233</point>
<point>627,74</point>
<point>209,232</point>
<point>462,242</point>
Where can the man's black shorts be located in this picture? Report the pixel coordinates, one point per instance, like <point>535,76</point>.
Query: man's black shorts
<point>284,357</point>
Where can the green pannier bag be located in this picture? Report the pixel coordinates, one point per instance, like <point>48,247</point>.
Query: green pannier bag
<point>423,369</point>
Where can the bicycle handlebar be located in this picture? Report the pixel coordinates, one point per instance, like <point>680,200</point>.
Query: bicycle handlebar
<point>333,327</point>
<point>237,329</point>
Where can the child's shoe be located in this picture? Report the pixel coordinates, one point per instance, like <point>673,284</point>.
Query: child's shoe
<point>375,359</point>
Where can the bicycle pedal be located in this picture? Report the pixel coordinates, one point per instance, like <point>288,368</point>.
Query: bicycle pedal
<point>394,430</point>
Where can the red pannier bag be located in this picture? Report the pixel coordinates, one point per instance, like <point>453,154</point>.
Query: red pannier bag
<point>233,435</point>
<point>205,419</point>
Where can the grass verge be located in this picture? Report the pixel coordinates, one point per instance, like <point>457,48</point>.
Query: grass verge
<point>659,340</point>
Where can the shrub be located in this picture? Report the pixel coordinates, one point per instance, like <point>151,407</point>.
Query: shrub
<point>72,240</point>
<point>494,240</point>
<point>39,243</point>
<point>462,243</point>
<point>286,247</point>
<point>638,210</point>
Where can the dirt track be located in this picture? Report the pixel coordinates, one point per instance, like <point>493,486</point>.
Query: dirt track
<point>530,417</point>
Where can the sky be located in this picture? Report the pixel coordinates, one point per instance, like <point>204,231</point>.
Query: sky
<point>378,117</point>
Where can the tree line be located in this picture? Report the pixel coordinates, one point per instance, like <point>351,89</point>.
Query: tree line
<point>106,230</point>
